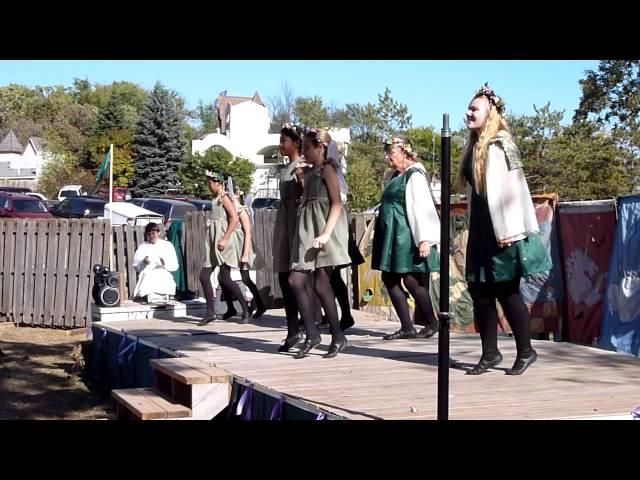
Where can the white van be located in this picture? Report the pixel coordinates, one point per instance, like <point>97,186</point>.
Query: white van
<point>70,191</point>
<point>128,213</point>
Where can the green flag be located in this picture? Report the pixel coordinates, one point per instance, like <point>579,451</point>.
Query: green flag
<point>104,165</point>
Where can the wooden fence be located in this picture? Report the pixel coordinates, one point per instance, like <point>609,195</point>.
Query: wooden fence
<point>46,268</point>
<point>195,233</point>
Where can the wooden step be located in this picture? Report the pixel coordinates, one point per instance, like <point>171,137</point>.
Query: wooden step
<point>190,371</point>
<point>206,390</point>
<point>147,404</point>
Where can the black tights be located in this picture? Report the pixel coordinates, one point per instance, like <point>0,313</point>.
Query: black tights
<point>415,283</point>
<point>207,289</point>
<point>322,286</point>
<point>246,279</point>
<point>229,287</point>
<point>341,291</point>
<point>484,297</point>
<point>291,304</point>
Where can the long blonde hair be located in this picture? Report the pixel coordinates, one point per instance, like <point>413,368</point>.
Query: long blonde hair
<point>476,148</point>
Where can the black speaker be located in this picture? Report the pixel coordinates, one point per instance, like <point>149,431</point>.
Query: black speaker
<point>109,296</point>
<point>98,279</point>
<point>112,279</point>
<point>105,291</point>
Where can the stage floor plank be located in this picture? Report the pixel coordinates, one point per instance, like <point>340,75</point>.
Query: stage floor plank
<point>375,379</point>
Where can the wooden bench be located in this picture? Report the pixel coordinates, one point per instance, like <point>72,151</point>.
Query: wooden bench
<point>193,383</point>
<point>189,371</point>
<point>147,404</point>
<point>185,388</point>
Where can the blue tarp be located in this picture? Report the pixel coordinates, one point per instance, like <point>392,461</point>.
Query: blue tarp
<point>543,292</point>
<point>620,327</point>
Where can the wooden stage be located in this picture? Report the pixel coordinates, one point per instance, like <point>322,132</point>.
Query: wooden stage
<point>376,379</point>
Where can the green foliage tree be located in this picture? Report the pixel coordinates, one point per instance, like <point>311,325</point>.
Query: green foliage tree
<point>369,125</point>
<point>365,171</point>
<point>311,111</point>
<point>14,101</point>
<point>282,108</point>
<point>63,170</point>
<point>97,146</point>
<point>533,134</point>
<point>158,143</point>
<point>611,97</point>
<point>393,116</point>
<point>206,114</point>
<point>585,162</point>
<point>217,159</point>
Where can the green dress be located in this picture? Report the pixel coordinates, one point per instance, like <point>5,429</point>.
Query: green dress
<point>486,261</point>
<point>312,219</point>
<point>256,258</point>
<point>285,224</point>
<point>393,247</point>
<point>217,226</point>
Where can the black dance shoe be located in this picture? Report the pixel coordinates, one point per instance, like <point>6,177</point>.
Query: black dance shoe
<point>486,362</point>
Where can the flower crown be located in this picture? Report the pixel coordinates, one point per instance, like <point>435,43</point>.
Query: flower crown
<point>488,92</point>
<point>396,141</point>
<point>215,176</point>
<point>293,127</point>
<point>314,132</point>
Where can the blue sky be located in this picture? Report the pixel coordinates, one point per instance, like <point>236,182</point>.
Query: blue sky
<point>428,87</point>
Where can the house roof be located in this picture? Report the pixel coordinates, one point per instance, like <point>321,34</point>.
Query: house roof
<point>11,144</point>
<point>256,98</point>
<point>39,143</point>
<point>223,101</point>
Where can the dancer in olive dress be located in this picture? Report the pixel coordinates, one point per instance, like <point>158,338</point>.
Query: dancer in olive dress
<point>249,260</point>
<point>223,248</point>
<point>320,243</point>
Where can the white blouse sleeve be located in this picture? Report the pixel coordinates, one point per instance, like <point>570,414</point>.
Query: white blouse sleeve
<point>138,257</point>
<point>169,256</point>
<point>510,204</point>
<point>421,210</point>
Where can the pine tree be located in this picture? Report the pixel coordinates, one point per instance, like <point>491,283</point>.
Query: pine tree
<point>111,117</point>
<point>158,144</point>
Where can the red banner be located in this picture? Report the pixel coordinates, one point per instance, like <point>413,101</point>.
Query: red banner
<point>587,231</point>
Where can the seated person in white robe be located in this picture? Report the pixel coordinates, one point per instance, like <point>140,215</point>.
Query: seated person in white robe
<point>155,259</point>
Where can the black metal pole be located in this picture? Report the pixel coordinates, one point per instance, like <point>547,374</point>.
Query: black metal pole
<point>443,335</point>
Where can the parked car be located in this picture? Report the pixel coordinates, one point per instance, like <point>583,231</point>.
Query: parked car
<point>15,205</point>
<point>22,190</point>
<point>37,195</point>
<point>121,194</point>
<point>263,202</point>
<point>201,205</point>
<point>70,191</point>
<point>169,208</point>
<point>80,207</point>
<point>51,204</point>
